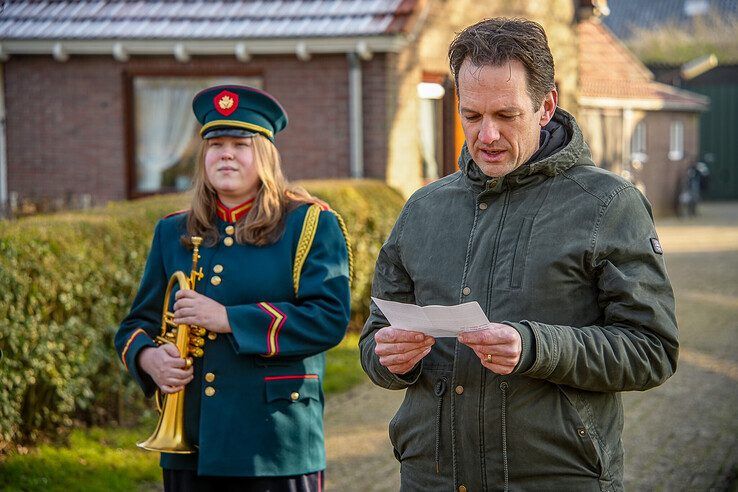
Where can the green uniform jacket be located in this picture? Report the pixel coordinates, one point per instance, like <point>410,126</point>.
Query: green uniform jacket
<point>263,415</point>
<point>567,254</point>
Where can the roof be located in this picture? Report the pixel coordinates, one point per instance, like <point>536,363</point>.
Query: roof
<point>610,75</point>
<point>625,15</point>
<point>201,19</point>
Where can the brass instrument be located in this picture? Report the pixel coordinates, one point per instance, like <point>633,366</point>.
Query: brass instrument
<point>168,437</point>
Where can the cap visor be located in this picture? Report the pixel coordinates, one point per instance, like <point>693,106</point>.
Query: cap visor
<point>228,132</point>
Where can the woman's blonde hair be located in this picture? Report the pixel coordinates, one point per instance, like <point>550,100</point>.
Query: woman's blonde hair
<point>264,223</point>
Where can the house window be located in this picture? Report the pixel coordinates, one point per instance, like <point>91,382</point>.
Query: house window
<point>676,141</point>
<point>430,124</point>
<point>638,143</point>
<point>165,130</point>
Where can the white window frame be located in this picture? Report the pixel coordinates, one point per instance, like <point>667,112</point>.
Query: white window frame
<point>676,141</point>
<point>639,143</point>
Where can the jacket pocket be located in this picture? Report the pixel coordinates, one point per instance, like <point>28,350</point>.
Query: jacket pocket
<point>292,388</point>
<point>521,253</point>
<point>421,423</point>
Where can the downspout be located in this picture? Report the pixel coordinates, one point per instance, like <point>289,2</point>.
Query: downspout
<point>356,116</point>
<point>3,149</point>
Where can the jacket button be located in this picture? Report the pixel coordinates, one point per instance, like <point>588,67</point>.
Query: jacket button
<point>215,280</point>
<point>212,335</point>
<point>210,377</point>
<point>582,431</point>
<point>230,230</point>
<point>482,206</point>
<point>462,488</point>
<point>228,241</point>
<point>466,291</point>
<point>459,389</point>
<point>209,391</point>
<point>217,268</point>
<point>295,396</point>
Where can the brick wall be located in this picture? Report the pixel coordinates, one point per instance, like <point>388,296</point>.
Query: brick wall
<point>67,132</point>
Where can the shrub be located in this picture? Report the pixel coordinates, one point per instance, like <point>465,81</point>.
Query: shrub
<point>67,280</point>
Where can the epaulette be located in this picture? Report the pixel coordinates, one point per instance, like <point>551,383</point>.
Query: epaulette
<point>309,227</point>
<point>184,210</point>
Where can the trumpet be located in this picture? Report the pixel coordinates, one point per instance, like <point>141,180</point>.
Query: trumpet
<point>169,436</point>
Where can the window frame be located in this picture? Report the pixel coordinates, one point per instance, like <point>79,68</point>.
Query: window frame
<point>129,116</point>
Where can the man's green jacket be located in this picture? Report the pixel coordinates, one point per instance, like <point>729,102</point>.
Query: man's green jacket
<point>567,254</point>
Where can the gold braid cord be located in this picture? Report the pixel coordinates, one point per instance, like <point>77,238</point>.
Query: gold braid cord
<point>348,245</point>
<point>309,227</point>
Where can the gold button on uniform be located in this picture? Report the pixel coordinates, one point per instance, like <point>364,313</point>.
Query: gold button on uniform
<point>210,377</point>
<point>462,488</point>
<point>230,230</point>
<point>459,389</point>
<point>218,268</point>
<point>294,396</point>
<point>209,391</point>
<point>228,241</point>
<point>215,280</point>
<point>212,335</point>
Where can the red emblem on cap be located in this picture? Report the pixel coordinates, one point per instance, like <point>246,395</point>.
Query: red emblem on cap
<point>226,102</point>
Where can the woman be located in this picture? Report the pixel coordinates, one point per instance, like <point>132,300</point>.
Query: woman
<point>273,298</point>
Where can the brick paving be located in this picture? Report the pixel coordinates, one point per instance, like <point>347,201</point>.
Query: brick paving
<point>682,435</point>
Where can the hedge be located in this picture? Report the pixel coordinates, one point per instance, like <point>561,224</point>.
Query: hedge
<point>67,280</point>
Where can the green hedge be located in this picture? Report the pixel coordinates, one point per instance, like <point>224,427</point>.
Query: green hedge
<point>67,280</point>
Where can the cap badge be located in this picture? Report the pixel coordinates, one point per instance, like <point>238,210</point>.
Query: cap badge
<point>226,102</point>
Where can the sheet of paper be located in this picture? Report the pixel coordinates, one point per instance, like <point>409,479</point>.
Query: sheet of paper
<point>436,321</point>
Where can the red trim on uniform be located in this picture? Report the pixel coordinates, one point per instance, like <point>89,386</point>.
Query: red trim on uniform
<point>291,376</point>
<point>128,345</point>
<point>278,320</point>
<point>233,214</point>
<point>184,210</point>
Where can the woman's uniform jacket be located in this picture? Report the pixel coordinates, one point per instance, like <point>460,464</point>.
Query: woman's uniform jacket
<point>255,405</point>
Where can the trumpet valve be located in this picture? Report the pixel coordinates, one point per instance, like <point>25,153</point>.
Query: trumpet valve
<point>197,341</point>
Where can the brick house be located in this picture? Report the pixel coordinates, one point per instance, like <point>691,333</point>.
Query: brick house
<point>95,95</point>
<point>641,129</point>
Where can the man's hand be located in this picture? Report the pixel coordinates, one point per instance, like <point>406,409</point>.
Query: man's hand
<point>400,350</point>
<point>165,367</point>
<point>498,347</point>
<point>196,309</point>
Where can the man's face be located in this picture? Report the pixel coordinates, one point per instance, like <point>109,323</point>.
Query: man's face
<point>501,128</point>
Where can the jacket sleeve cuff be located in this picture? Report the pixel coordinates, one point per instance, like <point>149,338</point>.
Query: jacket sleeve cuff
<point>528,350</point>
<point>256,328</point>
<point>137,342</point>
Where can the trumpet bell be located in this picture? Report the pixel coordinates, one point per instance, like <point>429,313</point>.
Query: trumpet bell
<point>169,436</point>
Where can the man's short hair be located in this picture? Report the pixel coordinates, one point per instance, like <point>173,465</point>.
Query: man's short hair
<point>500,40</point>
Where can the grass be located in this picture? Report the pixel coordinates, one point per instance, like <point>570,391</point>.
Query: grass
<point>107,459</point>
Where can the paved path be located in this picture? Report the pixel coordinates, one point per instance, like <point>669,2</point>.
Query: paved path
<point>680,436</point>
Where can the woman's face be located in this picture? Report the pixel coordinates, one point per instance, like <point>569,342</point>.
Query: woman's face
<point>231,170</point>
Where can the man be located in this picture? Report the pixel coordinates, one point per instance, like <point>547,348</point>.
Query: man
<point>561,255</point>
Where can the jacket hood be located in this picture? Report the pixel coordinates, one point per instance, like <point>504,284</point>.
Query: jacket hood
<point>562,147</point>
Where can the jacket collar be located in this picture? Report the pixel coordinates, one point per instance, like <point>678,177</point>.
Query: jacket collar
<point>233,214</point>
<point>551,159</point>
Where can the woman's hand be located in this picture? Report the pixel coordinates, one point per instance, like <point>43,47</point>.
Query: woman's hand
<point>196,309</point>
<point>165,367</point>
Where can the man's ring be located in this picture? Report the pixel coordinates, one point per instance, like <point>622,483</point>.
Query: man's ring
<point>489,358</point>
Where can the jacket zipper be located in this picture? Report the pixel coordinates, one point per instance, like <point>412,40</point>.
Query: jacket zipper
<point>439,390</point>
<point>503,388</point>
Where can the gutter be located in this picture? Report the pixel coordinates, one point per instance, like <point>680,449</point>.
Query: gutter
<point>241,48</point>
